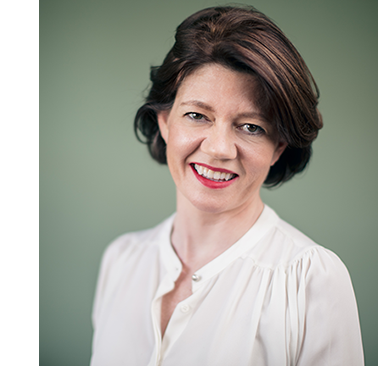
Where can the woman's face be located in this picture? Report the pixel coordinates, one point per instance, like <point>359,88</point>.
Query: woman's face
<point>219,146</point>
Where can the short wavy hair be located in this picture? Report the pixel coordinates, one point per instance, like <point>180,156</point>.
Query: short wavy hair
<point>245,40</point>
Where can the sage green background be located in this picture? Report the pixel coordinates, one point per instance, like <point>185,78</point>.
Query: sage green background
<point>98,182</point>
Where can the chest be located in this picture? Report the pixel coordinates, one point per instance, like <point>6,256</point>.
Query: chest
<point>228,320</point>
<point>181,291</point>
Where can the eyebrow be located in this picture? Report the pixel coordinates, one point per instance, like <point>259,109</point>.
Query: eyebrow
<point>198,103</point>
<point>207,107</point>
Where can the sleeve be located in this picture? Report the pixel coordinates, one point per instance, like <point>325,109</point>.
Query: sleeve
<point>109,256</point>
<point>331,329</point>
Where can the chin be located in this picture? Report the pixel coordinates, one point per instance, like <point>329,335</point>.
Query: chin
<point>212,205</point>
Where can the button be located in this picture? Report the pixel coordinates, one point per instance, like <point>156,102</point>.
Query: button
<point>185,308</point>
<point>196,278</point>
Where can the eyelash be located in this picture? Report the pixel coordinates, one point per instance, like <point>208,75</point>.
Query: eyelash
<point>192,114</point>
<point>258,130</point>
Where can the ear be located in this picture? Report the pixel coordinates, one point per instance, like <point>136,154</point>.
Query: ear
<point>162,117</point>
<point>281,146</point>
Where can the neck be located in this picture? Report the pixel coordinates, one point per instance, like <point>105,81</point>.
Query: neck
<point>200,236</point>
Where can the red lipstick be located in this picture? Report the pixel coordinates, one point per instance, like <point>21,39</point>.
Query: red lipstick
<point>214,168</point>
<point>211,183</point>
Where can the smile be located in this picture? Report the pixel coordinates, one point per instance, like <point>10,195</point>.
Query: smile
<point>214,175</point>
<point>214,178</point>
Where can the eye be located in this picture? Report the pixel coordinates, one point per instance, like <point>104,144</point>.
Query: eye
<point>195,116</point>
<point>252,129</point>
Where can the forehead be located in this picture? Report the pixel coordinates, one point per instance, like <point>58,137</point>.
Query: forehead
<point>219,87</point>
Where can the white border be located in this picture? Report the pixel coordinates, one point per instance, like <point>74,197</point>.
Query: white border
<point>19,182</point>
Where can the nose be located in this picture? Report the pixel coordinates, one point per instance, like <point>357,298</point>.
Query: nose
<point>219,142</point>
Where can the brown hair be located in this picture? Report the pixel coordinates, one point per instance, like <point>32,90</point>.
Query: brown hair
<point>242,39</point>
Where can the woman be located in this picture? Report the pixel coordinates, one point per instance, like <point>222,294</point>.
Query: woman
<point>225,281</point>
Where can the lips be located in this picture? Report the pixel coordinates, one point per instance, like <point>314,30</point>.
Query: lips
<point>213,177</point>
<point>214,174</point>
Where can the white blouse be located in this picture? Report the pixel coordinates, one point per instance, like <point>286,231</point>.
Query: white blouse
<point>274,298</point>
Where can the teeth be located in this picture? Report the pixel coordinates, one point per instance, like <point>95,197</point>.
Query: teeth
<point>210,174</point>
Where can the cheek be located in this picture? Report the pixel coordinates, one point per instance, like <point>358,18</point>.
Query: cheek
<point>259,159</point>
<point>182,143</point>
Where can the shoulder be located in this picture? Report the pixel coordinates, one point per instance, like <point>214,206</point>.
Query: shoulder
<point>285,246</point>
<point>306,250</point>
<point>131,248</point>
<point>132,243</point>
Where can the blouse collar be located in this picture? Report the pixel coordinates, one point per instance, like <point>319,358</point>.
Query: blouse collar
<point>171,262</point>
